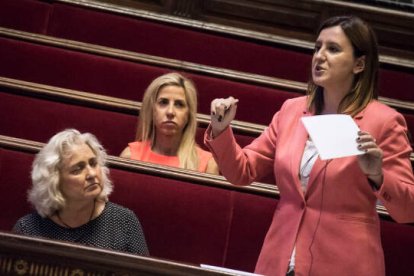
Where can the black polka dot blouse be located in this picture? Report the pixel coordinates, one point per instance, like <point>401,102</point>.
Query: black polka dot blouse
<point>116,228</point>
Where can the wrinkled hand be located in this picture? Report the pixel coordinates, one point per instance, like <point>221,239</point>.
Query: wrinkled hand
<point>223,112</point>
<point>371,161</point>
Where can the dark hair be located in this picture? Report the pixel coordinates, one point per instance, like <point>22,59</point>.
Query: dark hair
<point>364,89</point>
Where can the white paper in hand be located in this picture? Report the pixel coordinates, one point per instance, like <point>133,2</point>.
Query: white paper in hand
<point>333,135</point>
<point>229,271</point>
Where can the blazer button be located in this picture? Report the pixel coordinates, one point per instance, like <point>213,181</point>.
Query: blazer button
<point>386,196</point>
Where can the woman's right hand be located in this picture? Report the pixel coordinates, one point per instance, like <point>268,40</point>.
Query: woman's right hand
<point>223,112</point>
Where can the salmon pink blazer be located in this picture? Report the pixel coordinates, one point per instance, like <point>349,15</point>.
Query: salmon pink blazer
<point>334,224</point>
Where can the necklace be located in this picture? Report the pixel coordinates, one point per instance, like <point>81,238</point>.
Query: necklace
<point>68,226</point>
<point>306,168</point>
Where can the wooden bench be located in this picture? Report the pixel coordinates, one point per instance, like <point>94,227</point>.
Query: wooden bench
<point>22,255</point>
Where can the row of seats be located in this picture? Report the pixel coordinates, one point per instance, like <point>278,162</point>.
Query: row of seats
<point>134,34</point>
<point>189,221</point>
<point>120,80</point>
<point>172,232</point>
<point>183,220</point>
<point>26,114</point>
<point>38,119</point>
<point>181,43</point>
<point>123,79</point>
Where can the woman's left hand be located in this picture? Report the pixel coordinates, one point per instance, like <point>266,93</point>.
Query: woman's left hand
<point>371,161</point>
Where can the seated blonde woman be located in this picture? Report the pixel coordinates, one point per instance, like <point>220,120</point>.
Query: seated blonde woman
<point>167,126</point>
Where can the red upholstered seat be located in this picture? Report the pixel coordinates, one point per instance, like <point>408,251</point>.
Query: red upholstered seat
<point>25,15</point>
<point>39,119</point>
<point>15,167</point>
<point>197,46</point>
<point>181,43</point>
<point>212,223</point>
<point>127,80</point>
<point>396,84</point>
<point>182,221</point>
<point>122,79</point>
<point>189,222</point>
<point>175,42</point>
<point>409,117</point>
<point>245,229</point>
<point>397,241</point>
<point>75,70</point>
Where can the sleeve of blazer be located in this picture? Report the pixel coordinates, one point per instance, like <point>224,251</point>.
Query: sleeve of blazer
<point>243,166</point>
<point>397,190</point>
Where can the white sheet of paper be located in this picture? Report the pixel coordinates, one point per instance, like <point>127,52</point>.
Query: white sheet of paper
<point>334,135</point>
<point>230,271</point>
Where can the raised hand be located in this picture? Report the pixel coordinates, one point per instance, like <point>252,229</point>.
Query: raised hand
<point>223,112</point>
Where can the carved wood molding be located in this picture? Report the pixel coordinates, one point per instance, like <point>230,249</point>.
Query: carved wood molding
<point>10,264</point>
<point>23,255</point>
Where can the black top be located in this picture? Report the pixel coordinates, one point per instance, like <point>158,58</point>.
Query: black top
<point>116,228</point>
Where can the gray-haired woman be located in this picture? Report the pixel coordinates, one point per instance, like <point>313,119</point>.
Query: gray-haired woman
<point>70,189</point>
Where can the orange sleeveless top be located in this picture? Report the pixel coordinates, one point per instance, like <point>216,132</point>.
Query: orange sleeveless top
<point>142,151</point>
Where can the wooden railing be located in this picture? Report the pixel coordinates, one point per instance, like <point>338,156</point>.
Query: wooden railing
<point>21,255</point>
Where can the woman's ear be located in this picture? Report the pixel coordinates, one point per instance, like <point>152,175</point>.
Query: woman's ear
<point>359,65</point>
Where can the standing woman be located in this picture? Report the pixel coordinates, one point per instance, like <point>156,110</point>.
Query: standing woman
<point>326,221</point>
<point>70,194</point>
<point>167,127</point>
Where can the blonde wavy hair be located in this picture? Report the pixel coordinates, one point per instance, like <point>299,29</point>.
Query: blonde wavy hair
<point>187,153</point>
<point>364,89</point>
<point>45,194</point>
